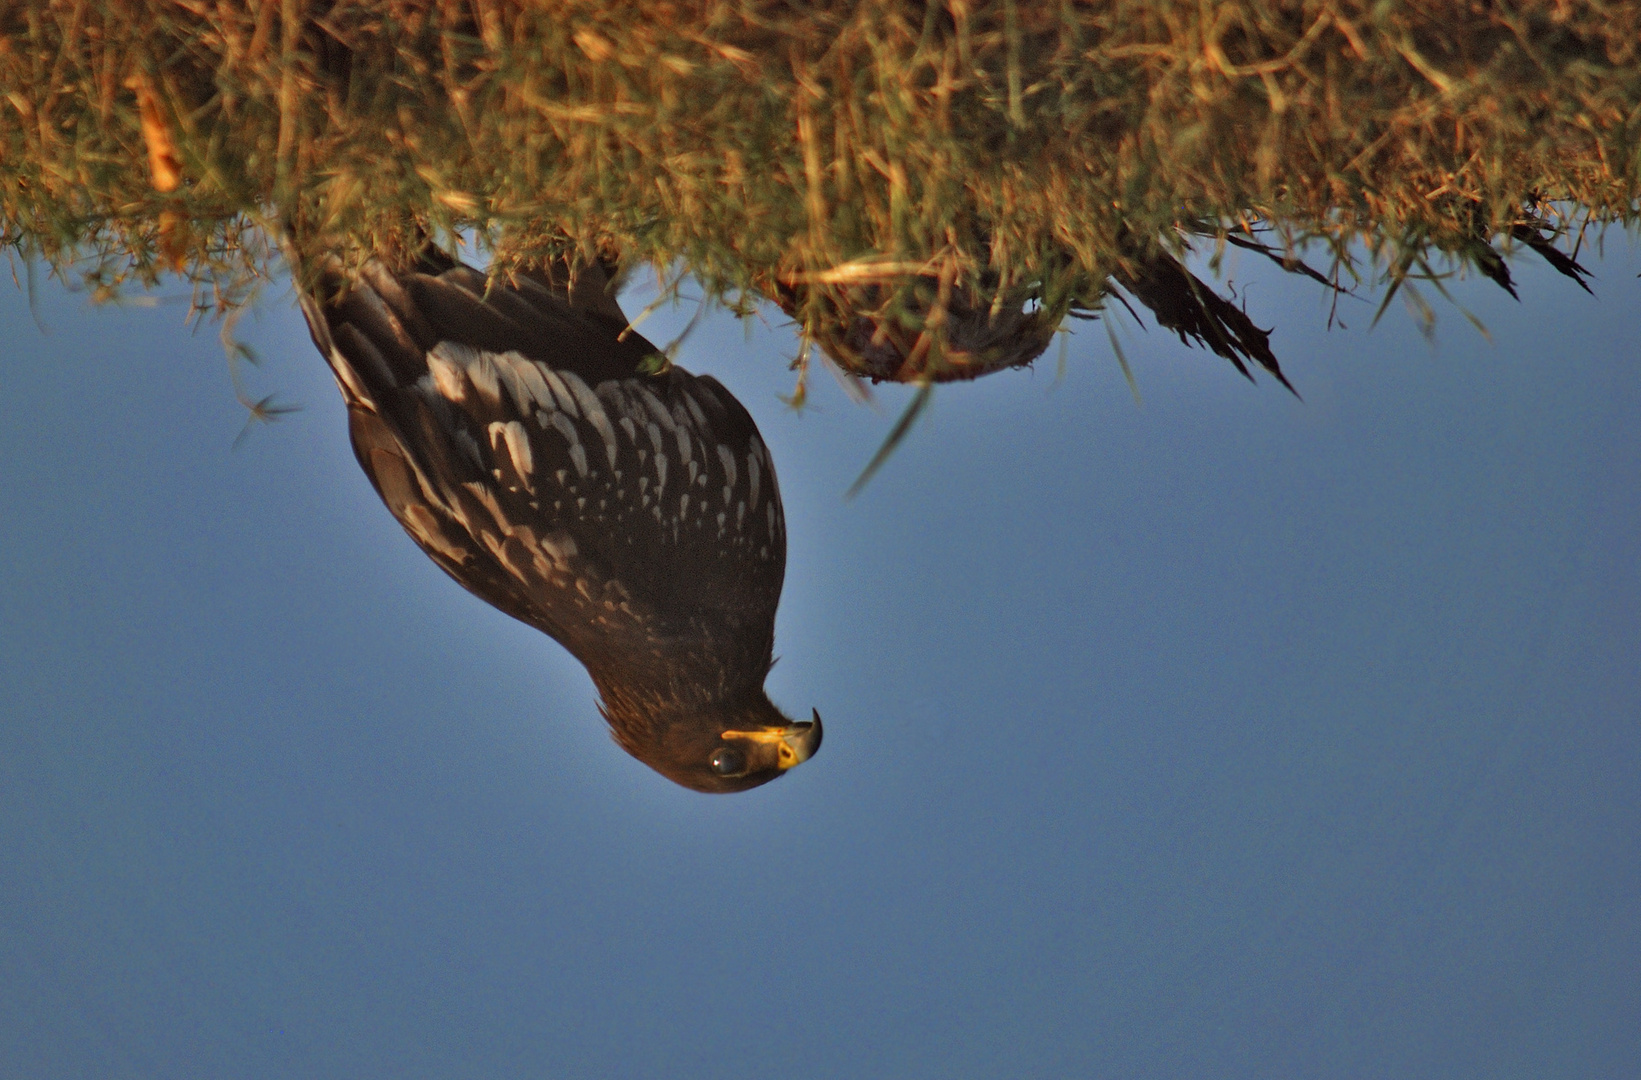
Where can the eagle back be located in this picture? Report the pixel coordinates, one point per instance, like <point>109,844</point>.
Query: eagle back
<point>511,429</point>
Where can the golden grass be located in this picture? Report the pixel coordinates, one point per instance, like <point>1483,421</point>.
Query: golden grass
<point>904,160</point>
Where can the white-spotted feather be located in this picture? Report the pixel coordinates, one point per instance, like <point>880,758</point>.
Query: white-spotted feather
<point>512,497</point>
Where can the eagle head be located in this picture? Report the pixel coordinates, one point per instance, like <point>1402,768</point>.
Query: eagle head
<point>717,748</point>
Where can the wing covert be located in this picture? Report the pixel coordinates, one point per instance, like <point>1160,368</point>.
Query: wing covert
<point>634,518</point>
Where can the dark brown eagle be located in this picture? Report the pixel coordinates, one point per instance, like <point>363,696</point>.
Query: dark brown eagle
<point>632,517</point>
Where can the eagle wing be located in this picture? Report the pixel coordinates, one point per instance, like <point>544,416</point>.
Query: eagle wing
<point>634,518</point>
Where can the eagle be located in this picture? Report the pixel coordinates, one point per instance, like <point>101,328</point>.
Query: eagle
<point>534,448</point>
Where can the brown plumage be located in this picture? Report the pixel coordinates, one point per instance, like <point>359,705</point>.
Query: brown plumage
<point>632,517</point>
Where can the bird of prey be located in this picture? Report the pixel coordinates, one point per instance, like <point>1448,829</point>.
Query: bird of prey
<point>534,453</point>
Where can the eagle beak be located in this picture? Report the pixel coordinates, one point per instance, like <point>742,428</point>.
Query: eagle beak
<point>794,745</point>
<point>803,741</point>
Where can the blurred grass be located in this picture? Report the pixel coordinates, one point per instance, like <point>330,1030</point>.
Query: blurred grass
<point>913,161</point>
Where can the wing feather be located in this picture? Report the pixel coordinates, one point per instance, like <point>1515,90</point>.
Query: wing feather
<point>632,517</point>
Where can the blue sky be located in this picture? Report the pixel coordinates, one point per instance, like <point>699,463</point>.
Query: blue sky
<point>1219,735</point>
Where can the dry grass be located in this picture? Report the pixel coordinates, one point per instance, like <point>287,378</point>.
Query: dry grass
<point>913,165</point>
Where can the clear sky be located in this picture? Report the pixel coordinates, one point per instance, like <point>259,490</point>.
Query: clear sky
<point>1223,735</point>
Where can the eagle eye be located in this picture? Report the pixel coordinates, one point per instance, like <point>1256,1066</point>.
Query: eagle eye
<point>728,761</point>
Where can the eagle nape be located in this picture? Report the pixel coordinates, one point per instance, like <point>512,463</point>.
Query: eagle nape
<point>526,442</point>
